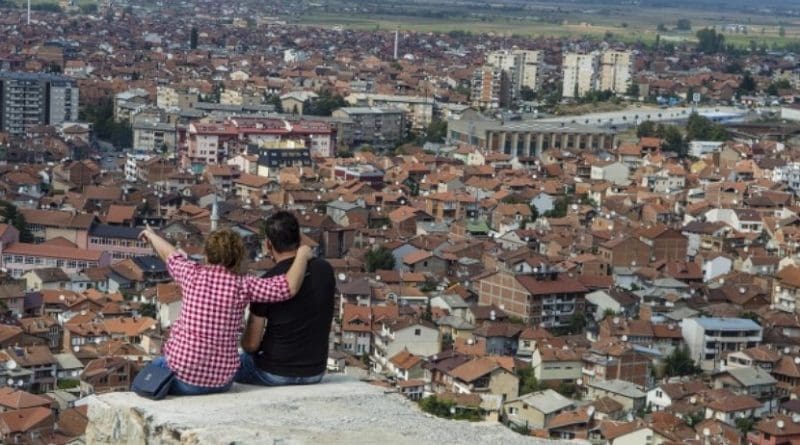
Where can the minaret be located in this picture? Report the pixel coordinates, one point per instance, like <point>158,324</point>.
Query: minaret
<point>396,41</point>
<point>214,214</point>
<point>29,12</point>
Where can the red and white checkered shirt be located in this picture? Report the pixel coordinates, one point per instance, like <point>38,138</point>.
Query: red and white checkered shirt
<point>202,345</point>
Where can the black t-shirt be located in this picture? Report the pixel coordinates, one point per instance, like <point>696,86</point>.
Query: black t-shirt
<point>295,343</point>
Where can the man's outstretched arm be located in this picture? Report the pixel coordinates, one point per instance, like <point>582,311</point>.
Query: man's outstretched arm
<point>253,333</point>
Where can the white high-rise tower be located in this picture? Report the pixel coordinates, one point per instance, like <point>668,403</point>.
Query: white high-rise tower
<point>396,41</point>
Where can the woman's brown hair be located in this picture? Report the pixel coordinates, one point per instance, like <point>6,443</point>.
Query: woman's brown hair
<point>225,248</point>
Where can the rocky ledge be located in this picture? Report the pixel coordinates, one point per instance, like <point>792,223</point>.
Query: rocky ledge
<point>337,411</point>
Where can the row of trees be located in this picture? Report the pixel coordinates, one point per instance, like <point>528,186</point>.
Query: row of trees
<point>101,116</point>
<point>698,128</point>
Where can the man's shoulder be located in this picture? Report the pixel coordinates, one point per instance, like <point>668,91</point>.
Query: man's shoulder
<point>320,265</point>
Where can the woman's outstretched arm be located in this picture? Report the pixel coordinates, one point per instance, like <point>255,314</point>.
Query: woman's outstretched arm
<point>162,247</point>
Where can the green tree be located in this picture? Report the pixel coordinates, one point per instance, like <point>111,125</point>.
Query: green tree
<point>646,129</point>
<point>437,131</point>
<point>148,310</point>
<point>745,425</point>
<point>683,25</point>
<point>679,363</point>
<point>782,31</point>
<point>325,104</point>
<point>15,218</point>
<point>193,36</point>
<point>780,84</point>
<point>577,322</point>
<point>275,101</point>
<point>673,139</point>
<point>702,128</point>
<point>748,84</point>
<point>633,89</point>
<point>380,258</point>
<point>710,41</point>
<point>661,27</point>
<point>527,93</point>
<point>527,381</point>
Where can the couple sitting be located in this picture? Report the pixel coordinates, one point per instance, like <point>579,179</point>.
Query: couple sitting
<point>295,303</point>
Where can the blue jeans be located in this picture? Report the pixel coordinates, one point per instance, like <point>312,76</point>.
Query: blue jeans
<point>181,388</point>
<point>250,374</point>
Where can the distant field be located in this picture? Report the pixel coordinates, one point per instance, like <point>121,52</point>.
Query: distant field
<point>630,26</point>
<point>24,3</point>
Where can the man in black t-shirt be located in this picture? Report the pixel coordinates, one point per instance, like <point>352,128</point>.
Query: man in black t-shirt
<point>293,349</point>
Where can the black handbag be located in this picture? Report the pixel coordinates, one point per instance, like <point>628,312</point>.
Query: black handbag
<point>153,382</point>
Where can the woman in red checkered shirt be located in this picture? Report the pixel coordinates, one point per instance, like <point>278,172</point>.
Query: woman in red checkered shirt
<point>202,345</point>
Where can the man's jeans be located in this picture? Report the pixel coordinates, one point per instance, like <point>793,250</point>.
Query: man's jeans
<point>179,388</point>
<point>250,374</point>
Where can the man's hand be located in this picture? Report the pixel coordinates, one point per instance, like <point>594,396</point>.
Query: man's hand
<point>305,253</point>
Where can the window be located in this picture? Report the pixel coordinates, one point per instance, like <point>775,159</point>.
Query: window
<point>417,332</point>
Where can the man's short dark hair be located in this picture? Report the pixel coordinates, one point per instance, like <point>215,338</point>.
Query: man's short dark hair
<point>283,231</point>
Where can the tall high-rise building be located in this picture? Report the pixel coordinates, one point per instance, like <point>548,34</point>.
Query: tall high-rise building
<point>606,71</point>
<point>520,66</point>
<point>615,71</point>
<point>580,74</point>
<point>491,87</point>
<point>31,99</point>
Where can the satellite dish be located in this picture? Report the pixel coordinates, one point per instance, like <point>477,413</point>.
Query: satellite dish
<point>10,382</point>
<point>62,297</point>
<point>781,424</point>
<point>579,382</point>
<point>706,432</point>
<point>590,411</point>
<point>20,382</point>
<point>797,360</point>
<point>76,348</point>
<point>11,364</point>
<point>342,276</point>
<point>786,350</point>
<point>693,400</point>
<point>624,338</point>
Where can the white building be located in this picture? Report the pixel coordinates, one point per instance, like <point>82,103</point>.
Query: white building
<point>580,74</point>
<point>616,68</point>
<point>709,338</point>
<point>418,337</point>
<point>419,110</point>
<point>742,220</point>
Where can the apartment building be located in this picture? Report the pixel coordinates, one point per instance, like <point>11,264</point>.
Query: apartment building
<point>580,74</point>
<point>521,66</point>
<point>378,127</point>
<point>213,142</point>
<point>149,136</point>
<point>419,110</point>
<point>543,298</point>
<point>616,68</point>
<point>168,98</point>
<point>31,99</point>
<point>491,88</point>
<point>19,258</point>
<point>604,71</point>
<point>119,241</point>
<point>710,339</point>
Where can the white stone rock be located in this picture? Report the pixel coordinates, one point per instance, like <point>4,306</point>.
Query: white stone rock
<point>336,411</point>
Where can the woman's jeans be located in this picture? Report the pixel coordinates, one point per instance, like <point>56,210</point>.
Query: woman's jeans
<point>180,388</point>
